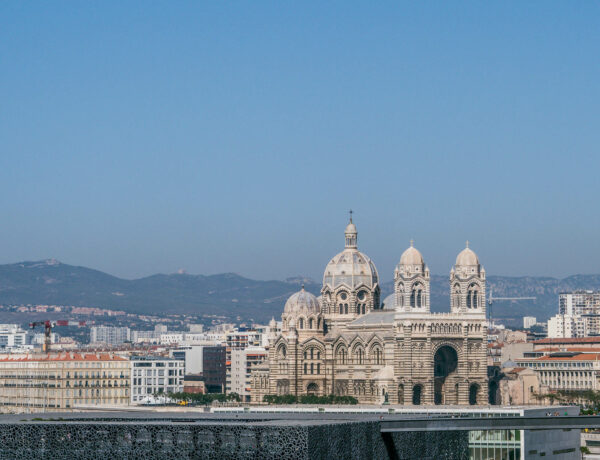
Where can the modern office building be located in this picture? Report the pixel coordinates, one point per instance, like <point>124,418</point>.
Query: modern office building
<point>109,335</point>
<point>206,360</point>
<point>214,368</point>
<point>62,381</point>
<point>151,375</point>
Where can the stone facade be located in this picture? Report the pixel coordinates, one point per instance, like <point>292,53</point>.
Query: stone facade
<point>347,342</point>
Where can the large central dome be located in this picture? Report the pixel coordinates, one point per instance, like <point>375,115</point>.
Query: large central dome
<point>350,267</point>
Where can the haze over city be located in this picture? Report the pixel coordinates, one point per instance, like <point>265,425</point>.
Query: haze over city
<point>234,137</point>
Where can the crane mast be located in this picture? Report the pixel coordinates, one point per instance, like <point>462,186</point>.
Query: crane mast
<point>492,299</point>
<point>49,325</point>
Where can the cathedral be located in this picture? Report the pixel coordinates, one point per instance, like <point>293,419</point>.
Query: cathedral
<point>348,342</point>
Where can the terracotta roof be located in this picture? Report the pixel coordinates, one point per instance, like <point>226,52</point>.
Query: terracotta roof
<point>64,357</point>
<point>580,349</point>
<point>568,340</point>
<point>577,357</point>
<point>516,370</point>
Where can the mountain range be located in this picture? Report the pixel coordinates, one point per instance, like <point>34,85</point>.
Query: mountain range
<point>238,298</point>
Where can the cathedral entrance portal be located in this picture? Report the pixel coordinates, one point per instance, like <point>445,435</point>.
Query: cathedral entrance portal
<point>445,363</point>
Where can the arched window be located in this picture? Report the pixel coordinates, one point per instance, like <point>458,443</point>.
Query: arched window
<point>318,368</point>
<point>417,391</point>
<point>310,323</point>
<point>378,356</point>
<point>281,351</point>
<point>346,308</point>
<point>341,355</point>
<point>417,296</point>
<point>359,354</point>
<point>400,295</point>
<point>473,296</point>
<point>473,390</point>
<point>305,368</point>
<point>401,394</point>
<point>312,368</point>
<point>301,323</point>
<point>341,309</point>
<point>312,353</point>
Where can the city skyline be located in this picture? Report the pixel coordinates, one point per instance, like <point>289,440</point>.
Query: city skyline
<point>142,139</point>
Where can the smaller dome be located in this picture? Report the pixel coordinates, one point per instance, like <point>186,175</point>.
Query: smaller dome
<point>467,257</point>
<point>411,256</point>
<point>302,302</point>
<point>350,228</point>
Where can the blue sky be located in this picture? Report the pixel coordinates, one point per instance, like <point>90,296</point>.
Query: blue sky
<point>144,137</point>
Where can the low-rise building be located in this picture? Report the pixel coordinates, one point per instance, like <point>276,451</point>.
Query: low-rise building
<point>565,370</point>
<point>152,375</point>
<point>520,386</point>
<point>194,384</point>
<point>62,381</point>
<point>529,321</point>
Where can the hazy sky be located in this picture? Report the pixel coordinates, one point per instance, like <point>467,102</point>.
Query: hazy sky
<point>144,137</point>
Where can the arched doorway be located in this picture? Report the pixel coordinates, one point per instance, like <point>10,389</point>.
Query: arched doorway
<point>417,391</point>
<point>401,394</point>
<point>445,363</point>
<point>473,391</point>
<point>312,389</point>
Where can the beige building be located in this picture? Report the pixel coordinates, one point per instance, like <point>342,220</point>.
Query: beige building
<point>346,342</point>
<point>519,386</point>
<point>60,382</point>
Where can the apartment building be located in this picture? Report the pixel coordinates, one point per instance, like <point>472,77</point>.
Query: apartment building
<point>578,315</point>
<point>62,381</point>
<point>109,335</point>
<point>13,337</point>
<point>152,375</point>
<point>239,370</point>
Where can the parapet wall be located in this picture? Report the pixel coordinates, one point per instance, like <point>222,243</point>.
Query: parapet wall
<point>255,439</point>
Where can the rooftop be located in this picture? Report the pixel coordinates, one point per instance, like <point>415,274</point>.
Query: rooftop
<point>568,340</point>
<point>62,357</point>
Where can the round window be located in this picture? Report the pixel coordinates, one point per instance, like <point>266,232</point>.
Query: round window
<point>343,296</point>
<point>362,295</point>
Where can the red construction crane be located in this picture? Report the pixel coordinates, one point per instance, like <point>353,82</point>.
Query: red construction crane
<point>48,325</point>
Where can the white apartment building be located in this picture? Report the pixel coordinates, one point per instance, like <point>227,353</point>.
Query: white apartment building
<point>12,336</point>
<point>109,335</point>
<point>529,321</point>
<point>239,370</point>
<point>170,338</point>
<point>579,303</point>
<point>152,375</point>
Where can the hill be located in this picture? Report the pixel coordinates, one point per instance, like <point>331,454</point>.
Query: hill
<point>233,296</point>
